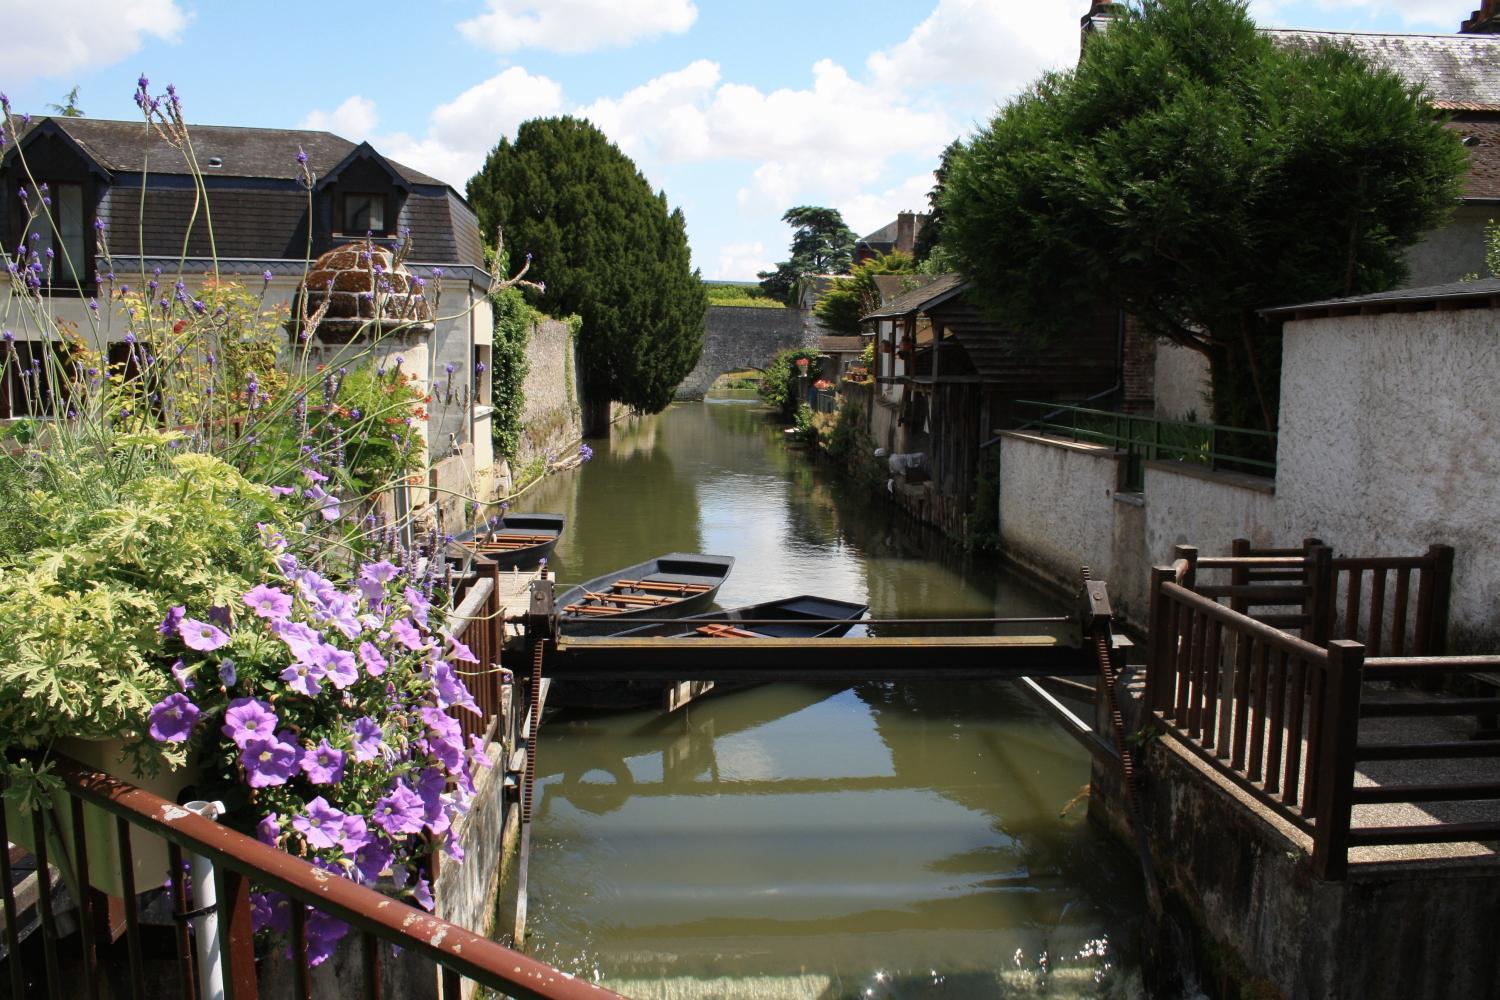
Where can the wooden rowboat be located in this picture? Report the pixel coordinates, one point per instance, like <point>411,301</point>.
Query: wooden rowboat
<point>518,541</point>
<point>804,617</point>
<point>668,586</point>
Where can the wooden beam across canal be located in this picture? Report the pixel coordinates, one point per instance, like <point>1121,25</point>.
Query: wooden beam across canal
<point>954,657</point>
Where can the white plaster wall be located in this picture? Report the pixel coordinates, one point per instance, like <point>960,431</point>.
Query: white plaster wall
<point>1390,442</point>
<point>1182,385</point>
<point>1057,506</point>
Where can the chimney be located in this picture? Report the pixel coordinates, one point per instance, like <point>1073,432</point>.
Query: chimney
<point>906,231</point>
<point>1484,21</point>
<point>1097,21</point>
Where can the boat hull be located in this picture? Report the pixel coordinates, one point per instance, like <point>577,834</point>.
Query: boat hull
<point>669,586</point>
<point>522,541</point>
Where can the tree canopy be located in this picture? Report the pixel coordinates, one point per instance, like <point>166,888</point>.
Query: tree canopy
<point>841,306</point>
<point>1191,172</point>
<point>821,244</point>
<point>606,248</point>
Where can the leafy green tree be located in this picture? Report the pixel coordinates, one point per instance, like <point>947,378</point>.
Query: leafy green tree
<point>1192,172</point>
<point>607,249</point>
<point>841,306</point>
<point>70,109</point>
<point>821,244</point>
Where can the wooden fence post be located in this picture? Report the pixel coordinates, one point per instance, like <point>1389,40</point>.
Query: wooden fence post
<point>1189,554</point>
<point>1321,599</point>
<point>1338,725</point>
<point>1441,560</point>
<point>1157,639</point>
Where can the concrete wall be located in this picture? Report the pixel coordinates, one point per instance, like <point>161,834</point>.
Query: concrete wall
<point>1389,431</point>
<point>1387,446</point>
<point>1449,253</point>
<point>743,337</point>
<point>1182,385</point>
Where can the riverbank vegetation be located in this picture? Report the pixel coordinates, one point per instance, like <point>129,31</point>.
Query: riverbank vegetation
<point>1192,171</point>
<point>603,246</point>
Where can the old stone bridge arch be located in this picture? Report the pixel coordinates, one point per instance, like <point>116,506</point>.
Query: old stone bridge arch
<point>737,337</point>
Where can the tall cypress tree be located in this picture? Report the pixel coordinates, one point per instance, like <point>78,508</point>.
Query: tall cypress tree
<point>608,249</point>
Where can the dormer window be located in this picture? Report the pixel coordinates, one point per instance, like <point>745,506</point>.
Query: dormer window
<point>53,214</point>
<point>365,213</point>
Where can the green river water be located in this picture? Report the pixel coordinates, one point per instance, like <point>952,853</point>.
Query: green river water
<point>795,840</point>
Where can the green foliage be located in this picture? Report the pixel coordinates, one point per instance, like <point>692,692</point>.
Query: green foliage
<point>111,545</point>
<point>513,322</point>
<point>1191,171</point>
<point>849,298</point>
<point>984,517</point>
<point>69,109</point>
<point>850,444</point>
<point>607,248</point>
<point>821,244</point>
<point>743,296</point>
<point>784,380</point>
<point>802,424</point>
<point>1492,248</point>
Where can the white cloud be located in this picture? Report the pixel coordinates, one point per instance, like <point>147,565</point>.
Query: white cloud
<point>835,136</point>
<point>867,211</point>
<point>354,119</point>
<point>462,132</point>
<point>576,25</point>
<point>65,36</point>
<point>983,47</point>
<point>740,260</point>
<point>1440,15</point>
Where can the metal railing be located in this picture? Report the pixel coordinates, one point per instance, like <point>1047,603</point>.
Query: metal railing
<point>1279,716</point>
<point>1142,439</point>
<point>239,863</point>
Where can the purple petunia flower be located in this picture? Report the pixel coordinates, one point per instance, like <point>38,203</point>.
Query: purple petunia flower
<point>300,639</point>
<point>355,835</point>
<point>323,825</point>
<point>248,719</point>
<point>323,765</point>
<point>367,739</point>
<point>419,604</point>
<point>283,491</point>
<point>268,830</point>
<point>268,602</point>
<point>405,633</point>
<point>227,673</point>
<point>305,678</point>
<point>372,859</point>
<point>461,652</point>
<point>174,617</point>
<point>172,718</point>
<point>371,658</point>
<point>399,812</point>
<point>268,762</point>
<point>338,666</point>
<point>183,675</point>
<point>201,635</point>
<point>325,503</point>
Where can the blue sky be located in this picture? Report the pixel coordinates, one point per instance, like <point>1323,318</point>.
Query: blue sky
<point>737,110</point>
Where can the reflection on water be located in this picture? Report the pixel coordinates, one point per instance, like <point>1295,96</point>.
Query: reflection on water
<point>885,840</point>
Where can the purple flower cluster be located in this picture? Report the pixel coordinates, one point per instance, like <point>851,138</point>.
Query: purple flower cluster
<point>335,706</point>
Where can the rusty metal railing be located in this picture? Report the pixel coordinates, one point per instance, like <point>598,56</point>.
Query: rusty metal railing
<point>239,863</point>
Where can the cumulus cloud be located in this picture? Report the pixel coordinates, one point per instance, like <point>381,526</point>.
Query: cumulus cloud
<point>461,132</point>
<point>739,260</point>
<point>576,25</point>
<point>837,134</point>
<point>65,36</point>
<point>986,49</point>
<point>354,119</point>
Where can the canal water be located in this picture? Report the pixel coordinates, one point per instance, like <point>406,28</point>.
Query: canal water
<point>800,840</point>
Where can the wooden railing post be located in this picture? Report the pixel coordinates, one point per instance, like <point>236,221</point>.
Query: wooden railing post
<point>1158,617</point>
<point>236,934</point>
<point>1338,725</point>
<point>1321,600</point>
<point>1441,560</point>
<point>1189,554</point>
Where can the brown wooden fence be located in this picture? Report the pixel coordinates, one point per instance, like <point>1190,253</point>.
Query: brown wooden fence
<point>1279,715</point>
<point>476,621</point>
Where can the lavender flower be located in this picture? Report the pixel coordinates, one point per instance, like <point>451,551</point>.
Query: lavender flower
<point>399,812</point>
<point>304,678</point>
<point>367,739</point>
<point>268,830</point>
<point>174,618</point>
<point>338,666</point>
<point>371,658</point>
<point>407,634</point>
<point>173,718</point>
<point>268,602</point>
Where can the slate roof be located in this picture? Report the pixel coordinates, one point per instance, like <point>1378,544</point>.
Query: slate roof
<point>269,153</point>
<point>941,288</point>
<point>1459,72</point>
<point>1484,292</point>
<point>885,234</point>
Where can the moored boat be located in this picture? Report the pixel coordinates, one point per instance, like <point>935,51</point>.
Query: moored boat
<point>517,540</point>
<point>668,586</point>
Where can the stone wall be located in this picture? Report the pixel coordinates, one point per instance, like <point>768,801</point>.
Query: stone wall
<point>737,337</point>
<point>551,418</point>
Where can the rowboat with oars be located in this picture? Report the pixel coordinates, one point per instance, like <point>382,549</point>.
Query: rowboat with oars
<point>516,540</point>
<point>668,586</point>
